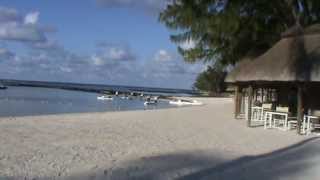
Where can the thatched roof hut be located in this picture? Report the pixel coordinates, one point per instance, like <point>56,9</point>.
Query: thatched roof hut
<point>295,58</point>
<point>292,64</point>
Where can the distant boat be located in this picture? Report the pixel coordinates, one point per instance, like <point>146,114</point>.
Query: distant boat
<point>181,102</point>
<point>125,97</point>
<point>147,103</point>
<point>3,87</point>
<point>151,101</point>
<point>103,97</point>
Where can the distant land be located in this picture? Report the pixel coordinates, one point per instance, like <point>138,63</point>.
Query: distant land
<point>99,88</point>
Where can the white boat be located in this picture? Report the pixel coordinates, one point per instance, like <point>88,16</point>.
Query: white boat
<point>124,97</point>
<point>147,103</point>
<point>181,102</point>
<point>155,98</point>
<point>3,87</point>
<point>151,101</point>
<point>103,97</point>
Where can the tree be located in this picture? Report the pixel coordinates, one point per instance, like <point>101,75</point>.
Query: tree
<point>211,80</point>
<point>225,31</point>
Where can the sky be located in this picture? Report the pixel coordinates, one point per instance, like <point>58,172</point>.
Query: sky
<point>116,42</point>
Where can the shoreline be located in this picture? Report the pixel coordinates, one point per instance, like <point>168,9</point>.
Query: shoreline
<point>118,111</point>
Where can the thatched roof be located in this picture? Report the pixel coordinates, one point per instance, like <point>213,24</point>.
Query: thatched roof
<point>295,58</point>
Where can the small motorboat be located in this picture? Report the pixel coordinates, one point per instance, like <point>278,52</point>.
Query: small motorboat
<point>3,87</point>
<point>125,97</point>
<point>103,97</point>
<point>151,101</point>
<point>182,102</point>
<point>147,103</point>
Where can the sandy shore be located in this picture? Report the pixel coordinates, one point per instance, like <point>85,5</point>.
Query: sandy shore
<point>202,142</point>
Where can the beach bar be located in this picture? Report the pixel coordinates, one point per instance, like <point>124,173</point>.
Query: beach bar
<point>281,87</point>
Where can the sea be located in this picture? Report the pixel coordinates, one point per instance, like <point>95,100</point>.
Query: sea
<point>31,101</point>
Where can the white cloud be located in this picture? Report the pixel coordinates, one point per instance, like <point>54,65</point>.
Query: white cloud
<point>32,18</point>
<point>48,45</point>
<point>13,27</point>
<point>66,69</point>
<point>8,15</point>
<point>117,53</point>
<point>97,61</point>
<point>109,64</point>
<point>18,32</point>
<point>151,6</point>
<point>170,68</point>
<point>163,56</point>
<point>114,53</point>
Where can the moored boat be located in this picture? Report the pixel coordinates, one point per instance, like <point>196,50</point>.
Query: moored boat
<point>182,102</point>
<point>147,103</point>
<point>151,101</point>
<point>103,97</point>
<point>3,87</point>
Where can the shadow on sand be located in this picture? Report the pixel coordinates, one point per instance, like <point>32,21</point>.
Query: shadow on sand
<point>299,161</point>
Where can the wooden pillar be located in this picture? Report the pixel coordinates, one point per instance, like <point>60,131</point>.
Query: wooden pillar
<point>250,97</point>
<point>236,104</point>
<point>300,108</point>
<point>237,101</point>
<point>262,95</point>
<point>240,100</point>
<point>256,94</point>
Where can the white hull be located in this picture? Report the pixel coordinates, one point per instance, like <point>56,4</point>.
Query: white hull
<point>149,103</point>
<point>186,103</point>
<point>124,97</point>
<point>107,98</point>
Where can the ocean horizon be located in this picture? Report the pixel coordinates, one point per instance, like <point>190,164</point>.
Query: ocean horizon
<point>91,87</point>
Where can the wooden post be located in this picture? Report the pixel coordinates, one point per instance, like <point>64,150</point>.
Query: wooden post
<point>236,102</point>
<point>255,94</point>
<point>240,100</point>
<point>250,97</point>
<point>262,95</point>
<point>299,108</point>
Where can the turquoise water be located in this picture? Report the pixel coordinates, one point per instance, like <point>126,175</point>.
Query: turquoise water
<point>25,101</point>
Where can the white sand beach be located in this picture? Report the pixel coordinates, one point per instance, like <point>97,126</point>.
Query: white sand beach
<point>202,142</point>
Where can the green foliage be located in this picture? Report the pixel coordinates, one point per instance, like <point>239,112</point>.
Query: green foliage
<point>211,80</point>
<point>227,30</point>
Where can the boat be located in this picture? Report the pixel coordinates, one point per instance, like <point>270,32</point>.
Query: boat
<point>3,87</point>
<point>125,97</point>
<point>182,102</point>
<point>103,97</point>
<point>151,101</point>
<point>147,103</point>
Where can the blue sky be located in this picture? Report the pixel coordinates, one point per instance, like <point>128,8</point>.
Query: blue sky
<point>91,41</point>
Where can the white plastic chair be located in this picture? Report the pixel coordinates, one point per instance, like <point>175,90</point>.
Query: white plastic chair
<point>308,124</point>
